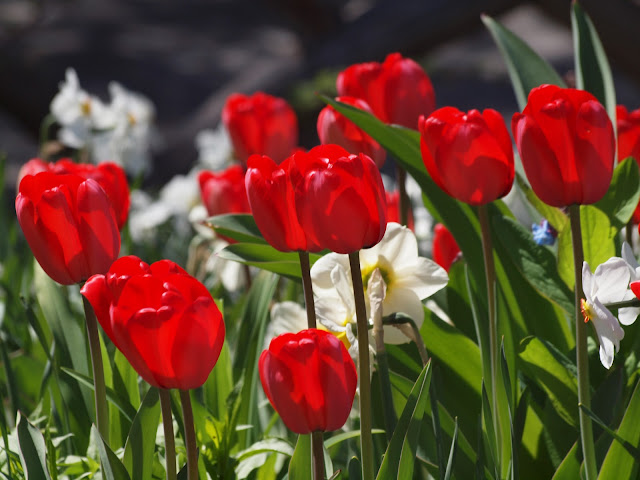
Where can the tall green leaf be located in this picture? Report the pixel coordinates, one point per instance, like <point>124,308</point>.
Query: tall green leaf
<point>526,68</point>
<point>300,466</point>
<point>141,442</point>
<point>400,456</point>
<point>33,453</point>
<point>112,467</point>
<point>624,192</point>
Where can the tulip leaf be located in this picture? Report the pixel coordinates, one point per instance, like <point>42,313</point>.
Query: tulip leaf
<point>266,257</point>
<point>619,462</point>
<point>452,452</point>
<point>33,455</point>
<point>554,373</point>
<point>592,67</point>
<point>526,68</point>
<point>141,441</point>
<point>112,467</point>
<point>341,437</point>
<point>241,227</point>
<point>556,217</point>
<point>300,466</point>
<point>219,385</point>
<point>598,242</point>
<point>536,262</point>
<point>623,195</point>
<point>569,468</point>
<point>401,453</point>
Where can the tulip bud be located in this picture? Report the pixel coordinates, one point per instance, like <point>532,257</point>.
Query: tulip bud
<point>224,192</point>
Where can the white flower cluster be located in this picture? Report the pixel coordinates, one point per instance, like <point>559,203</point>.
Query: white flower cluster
<point>120,131</point>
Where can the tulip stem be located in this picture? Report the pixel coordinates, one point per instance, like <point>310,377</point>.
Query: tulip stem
<point>190,436</point>
<point>403,204</point>
<point>169,440</point>
<point>489,267</point>
<point>364,375</point>
<point>582,360</point>
<point>100,390</point>
<point>317,446</point>
<point>308,289</point>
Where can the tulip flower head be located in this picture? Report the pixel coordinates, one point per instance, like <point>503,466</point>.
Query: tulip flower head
<point>310,380</point>
<point>161,318</point>
<point>224,192</point>
<point>628,124</point>
<point>468,155</point>
<point>566,144</point>
<point>333,127</point>
<point>398,90</point>
<point>70,225</point>
<point>260,124</point>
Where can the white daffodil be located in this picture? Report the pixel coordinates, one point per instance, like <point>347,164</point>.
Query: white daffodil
<point>608,284</point>
<point>214,149</point>
<point>286,317</point>
<point>408,277</point>
<point>628,315</point>
<point>78,113</point>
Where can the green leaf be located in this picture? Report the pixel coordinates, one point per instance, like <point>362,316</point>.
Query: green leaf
<point>275,445</point>
<point>400,456</point>
<point>266,257</point>
<point>354,469</point>
<point>526,68</point>
<point>141,442</point>
<point>624,192</point>
<point>556,217</point>
<point>543,366</point>
<point>452,452</point>
<point>489,431</point>
<point>241,227</point>
<point>219,385</point>
<point>341,437</point>
<point>300,466</point>
<point>536,263</point>
<point>33,455</point>
<point>619,463</point>
<point>592,67</point>
<point>569,469</point>
<point>112,467</point>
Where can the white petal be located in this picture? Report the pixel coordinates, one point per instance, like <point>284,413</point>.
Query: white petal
<point>587,283</point>
<point>611,280</point>
<point>628,315</point>
<point>332,314</point>
<point>321,271</point>
<point>398,246</point>
<point>285,317</point>
<point>609,333</point>
<point>425,279</point>
<point>405,301</point>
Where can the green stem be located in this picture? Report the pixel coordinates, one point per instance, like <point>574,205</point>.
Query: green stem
<point>308,290</point>
<point>190,436</point>
<point>582,361</point>
<point>404,205</point>
<point>100,390</point>
<point>366,441</point>
<point>490,275</point>
<point>169,440</point>
<point>317,447</point>
<point>629,234</point>
<point>634,302</point>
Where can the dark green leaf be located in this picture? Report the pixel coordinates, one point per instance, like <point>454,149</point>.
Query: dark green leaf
<point>452,452</point>
<point>526,68</point>
<point>112,467</point>
<point>33,453</point>
<point>300,467</point>
<point>624,192</point>
<point>241,227</point>
<point>266,257</point>
<point>141,442</point>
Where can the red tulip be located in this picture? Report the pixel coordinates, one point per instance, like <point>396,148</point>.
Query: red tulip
<point>445,248</point>
<point>162,319</point>
<point>629,140</point>
<point>224,192</point>
<point>260,124</point>
<point>333,127</point>
<point>398,90</point>
<point>272,203</point>
<point>393,209</point>
<point>69,224</point>
<point>566,144</point>
<point>339,198</point>
<point>468,155</point>
<point>310,379</point>
<point>110,177</point>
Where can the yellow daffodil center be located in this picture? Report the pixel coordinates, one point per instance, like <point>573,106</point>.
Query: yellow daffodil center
<point>85,108</point>
<point>385,270</point>
<point>132,120</point>
<point>587,310</point>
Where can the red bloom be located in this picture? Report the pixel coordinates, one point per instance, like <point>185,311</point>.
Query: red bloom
<point>339,198</point>
<point>468,155</point>
<point>629,140</point>
<point>224,192</point>
<point>161,318</point>
<point>69,224</point>
<point>566,144</point>
<point>398,90</point>
<point>272,203</point>
<point>333,127</point>
<point>110,177</point>
<point>310,380</point>
<point>445,248</point>
<point>260,124</point>
<point>393,209</point>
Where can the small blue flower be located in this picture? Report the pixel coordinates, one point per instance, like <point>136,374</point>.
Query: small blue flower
<point>543,233</point>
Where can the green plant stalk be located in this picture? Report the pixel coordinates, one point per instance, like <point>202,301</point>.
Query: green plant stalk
<point>169,440</point>
<point>403,204</point>
<point>100,390</point>
<point>190,436</point>
<point>366,441</point>
<point>390,419</point>
<point>317,451</point>
<point>490,276</point>
<point>582,361</point>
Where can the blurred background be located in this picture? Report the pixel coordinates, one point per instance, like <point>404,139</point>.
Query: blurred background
<point>188,56</point>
